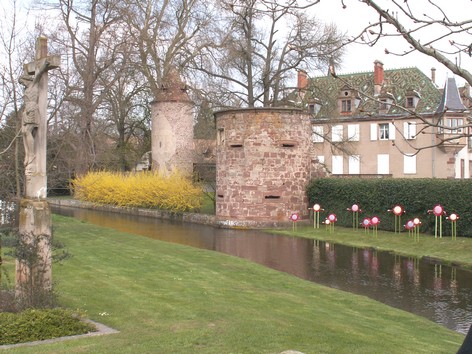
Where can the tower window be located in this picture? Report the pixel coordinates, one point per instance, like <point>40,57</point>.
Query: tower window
<point>288,143</point>
<point>221,136</point>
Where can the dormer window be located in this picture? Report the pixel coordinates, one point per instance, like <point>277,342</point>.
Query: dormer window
<point>346,106</point>
<point>348,100</point>
<point>385,103</point>
<point>412,99</point>
<point>314,106</point>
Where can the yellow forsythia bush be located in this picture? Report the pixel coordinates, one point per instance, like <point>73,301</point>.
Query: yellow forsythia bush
<point>144,189</point>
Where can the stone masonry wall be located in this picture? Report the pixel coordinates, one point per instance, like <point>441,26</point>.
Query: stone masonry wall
<point>172,136</point>
<point>263,164</point>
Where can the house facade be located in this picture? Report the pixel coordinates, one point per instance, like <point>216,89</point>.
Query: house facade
<point>388,123</point>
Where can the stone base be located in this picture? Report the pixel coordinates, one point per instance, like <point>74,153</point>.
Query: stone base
<point>34,263</point>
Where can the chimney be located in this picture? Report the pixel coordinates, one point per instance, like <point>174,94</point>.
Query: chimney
<point>378,76</point>
<point>433,75</point>
<point>302,80</point>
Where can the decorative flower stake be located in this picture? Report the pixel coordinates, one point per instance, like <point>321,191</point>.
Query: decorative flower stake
<point>355,216</point>
<point>453,217</point>
<point>316,215</point>
<point>375,221</point>
<point>416,229</point>
<point>294,218</point>
<point>438,211</point>
<point>366,224</point>
<point>397,211</point>
<point>332,219</point>
<point>327,223</point>
<point>410,225</point>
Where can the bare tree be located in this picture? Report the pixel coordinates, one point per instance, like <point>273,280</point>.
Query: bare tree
<point>13,45</point>
<point>167,34</point>
<point>258,46</point>
<point>93,37</point>
<point>429,27</point>
<point>126,108</point>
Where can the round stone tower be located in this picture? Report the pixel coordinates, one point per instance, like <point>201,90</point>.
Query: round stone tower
<point>172,127</point>
<point>263,165</point>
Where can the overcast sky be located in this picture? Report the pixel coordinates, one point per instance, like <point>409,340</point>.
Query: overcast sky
<point>360,58</point>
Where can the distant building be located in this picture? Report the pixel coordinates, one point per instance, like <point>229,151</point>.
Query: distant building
<point>388,123</point>
<point>392,123</point>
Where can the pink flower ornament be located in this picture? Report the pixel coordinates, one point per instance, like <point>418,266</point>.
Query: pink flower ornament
<point>366,223</point>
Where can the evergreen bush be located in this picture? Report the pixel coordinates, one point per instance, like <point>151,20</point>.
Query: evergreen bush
<point>376,196</point>
<point>174,192</point>
<point>33,325</point>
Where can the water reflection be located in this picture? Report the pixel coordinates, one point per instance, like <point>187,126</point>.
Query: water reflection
<point>440,293</point>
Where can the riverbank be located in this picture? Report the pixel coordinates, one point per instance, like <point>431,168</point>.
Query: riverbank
<point>168,298</point>
<point>197,218</point>
<point>452,252</point>
<point>445,250</point>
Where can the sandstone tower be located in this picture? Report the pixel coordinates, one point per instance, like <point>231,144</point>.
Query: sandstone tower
<point>172,127</point>
<point>263,165</point>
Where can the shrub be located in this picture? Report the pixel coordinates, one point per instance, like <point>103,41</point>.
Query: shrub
<point>33,325</point>
<point>144,189</point>
<point>376,196</point>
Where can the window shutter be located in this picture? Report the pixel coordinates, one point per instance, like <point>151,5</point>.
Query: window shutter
<point>391,131</point>
<point>383,164</point>
<point>373,131</point>
<point>413,130</point>
<point>409,164</point>
<point>353,132</point>
<point>337,133</point>
<point>337,165</point>
<point>318,133</point>
<point>354,164</point>
<point>409,130</point>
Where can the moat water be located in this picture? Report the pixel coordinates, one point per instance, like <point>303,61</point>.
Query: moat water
<point>440,293</point>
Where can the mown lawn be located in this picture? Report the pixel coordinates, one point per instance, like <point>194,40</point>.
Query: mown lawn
<point>458,252</point>
<point>168,298</point>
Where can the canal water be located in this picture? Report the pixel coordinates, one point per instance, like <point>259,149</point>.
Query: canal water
<point>440,293</point>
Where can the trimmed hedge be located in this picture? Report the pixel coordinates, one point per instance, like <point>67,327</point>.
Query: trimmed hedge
<point>376,196</point>
<point>33,325</point>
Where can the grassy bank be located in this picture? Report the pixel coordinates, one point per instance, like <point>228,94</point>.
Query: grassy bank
<point>449,251</point>
<point>167,298</point>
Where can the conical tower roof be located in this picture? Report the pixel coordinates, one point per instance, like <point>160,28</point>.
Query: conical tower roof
<point>451,100</point>
<point>173,89</point>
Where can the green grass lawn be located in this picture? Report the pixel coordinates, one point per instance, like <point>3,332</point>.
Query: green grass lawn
<point>168,298</point>
<point>450,251</point>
